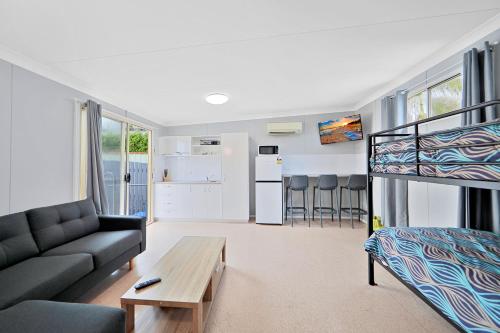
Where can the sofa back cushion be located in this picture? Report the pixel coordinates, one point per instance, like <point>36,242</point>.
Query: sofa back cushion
<point>60,224</point>
<point>16,240</point>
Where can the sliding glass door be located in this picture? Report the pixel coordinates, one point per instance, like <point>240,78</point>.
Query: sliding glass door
<point>114,163</point>
<point>126,152</point>
<point>137,176</point>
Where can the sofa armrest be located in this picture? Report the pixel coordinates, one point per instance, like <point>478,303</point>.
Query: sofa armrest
<point>122,222</point>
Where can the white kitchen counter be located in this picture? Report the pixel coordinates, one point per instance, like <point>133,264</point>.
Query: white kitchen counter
<point>190,182</point>
<point>314,175</point>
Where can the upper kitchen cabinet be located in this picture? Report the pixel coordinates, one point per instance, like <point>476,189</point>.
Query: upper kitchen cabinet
<point>175,145</point>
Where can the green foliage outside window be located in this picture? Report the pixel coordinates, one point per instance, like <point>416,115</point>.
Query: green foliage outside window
<point>417,107</point>
<point>111,142</point>
<point>446,96</point>
<point>138,142</point>
<point>439,99</point>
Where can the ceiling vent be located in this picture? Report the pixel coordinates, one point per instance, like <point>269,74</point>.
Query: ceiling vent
<point>284,128</point>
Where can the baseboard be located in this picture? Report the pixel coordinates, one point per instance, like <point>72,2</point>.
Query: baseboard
<point>221,220</point>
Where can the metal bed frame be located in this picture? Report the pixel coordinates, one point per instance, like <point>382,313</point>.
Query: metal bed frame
<point>467,183</point>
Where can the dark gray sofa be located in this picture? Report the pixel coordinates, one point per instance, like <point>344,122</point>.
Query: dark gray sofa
<point>58,317</point>
<point>60,252</point>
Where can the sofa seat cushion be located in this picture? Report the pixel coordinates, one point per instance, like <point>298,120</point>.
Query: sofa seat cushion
<point>56,317</point>
<point>104,246</point>
<point>42,277</point>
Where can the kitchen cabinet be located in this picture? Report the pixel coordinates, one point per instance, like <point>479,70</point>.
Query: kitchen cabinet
<point>235,176</point>
<point>206,201</point>
<point>188,201</point>
<point>193,159</point>
<point>172,201</point>
<point>174,145</point>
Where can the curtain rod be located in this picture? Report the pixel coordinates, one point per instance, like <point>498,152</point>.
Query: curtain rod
<point>118,117</point>
<point>425,81</point>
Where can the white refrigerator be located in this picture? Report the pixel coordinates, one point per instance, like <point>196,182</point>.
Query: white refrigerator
<point>268,190</point>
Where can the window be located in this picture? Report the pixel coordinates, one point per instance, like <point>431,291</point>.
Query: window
<point>446,96</point>
<point>417,106</point>
<point>440,98</point>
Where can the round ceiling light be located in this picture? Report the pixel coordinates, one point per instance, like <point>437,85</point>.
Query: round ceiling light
<point>216,98</point>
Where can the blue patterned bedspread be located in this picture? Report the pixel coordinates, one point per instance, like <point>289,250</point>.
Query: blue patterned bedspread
<point>457,270</point>
<point>450,154</point>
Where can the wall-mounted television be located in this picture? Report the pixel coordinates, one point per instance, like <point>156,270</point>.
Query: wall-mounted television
<point>341,130</point>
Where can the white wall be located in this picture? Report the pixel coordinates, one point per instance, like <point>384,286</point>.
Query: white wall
<point>374,108</point>
<point>304,145</point>
<point>434,205</point>
<point>192,168</point>
<point>5,94</point>
<point>42,142</point>
<point>40,153</point>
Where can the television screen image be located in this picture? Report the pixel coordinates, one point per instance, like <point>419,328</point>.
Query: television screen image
<point>340,130</point>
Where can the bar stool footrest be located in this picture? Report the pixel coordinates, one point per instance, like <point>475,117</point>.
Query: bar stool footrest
<point>328,209</point>
<point>298,208</point>
<point>355,210</point>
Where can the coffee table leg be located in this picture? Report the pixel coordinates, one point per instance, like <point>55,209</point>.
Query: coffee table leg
<point>131,264</point>
<point>224,254</point>
<point>129,316</point>
<point>198,318</point>
<point>208,293</point>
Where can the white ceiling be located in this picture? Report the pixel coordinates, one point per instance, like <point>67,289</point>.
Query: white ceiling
<point>159,59</point>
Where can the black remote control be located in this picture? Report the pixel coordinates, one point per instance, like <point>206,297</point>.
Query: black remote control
<point>147,283</point>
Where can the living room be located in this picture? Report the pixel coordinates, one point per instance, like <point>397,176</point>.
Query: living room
<point>235,158</point>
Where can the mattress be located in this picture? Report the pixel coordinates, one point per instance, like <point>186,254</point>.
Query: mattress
<point>459,153</point>
<point>457,270</point>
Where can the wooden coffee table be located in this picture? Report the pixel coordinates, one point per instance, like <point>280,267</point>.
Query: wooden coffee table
<point>190,273</point>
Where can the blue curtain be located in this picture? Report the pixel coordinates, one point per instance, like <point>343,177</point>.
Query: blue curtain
<point>95,177</point>
<point>394,191</point>
<point>479,208</point>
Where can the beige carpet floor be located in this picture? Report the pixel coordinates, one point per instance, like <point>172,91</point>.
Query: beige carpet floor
<point>282,279</point>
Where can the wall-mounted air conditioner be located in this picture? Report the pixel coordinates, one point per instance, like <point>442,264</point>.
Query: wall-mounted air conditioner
<point>284,128</point>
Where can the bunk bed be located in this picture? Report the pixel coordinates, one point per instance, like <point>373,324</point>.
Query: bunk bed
<point>456,271</point>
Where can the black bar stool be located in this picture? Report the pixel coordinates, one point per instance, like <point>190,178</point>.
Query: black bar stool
<point>299,184</point>
<point>354,183</point>
<point>326,183</point>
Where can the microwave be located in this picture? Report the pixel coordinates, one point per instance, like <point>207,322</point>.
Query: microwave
<point>268,150</point>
